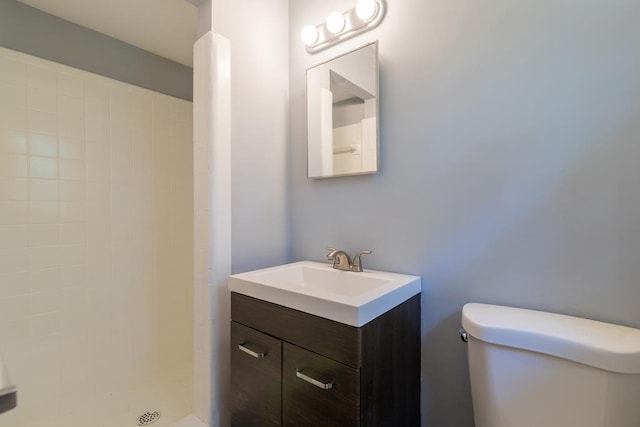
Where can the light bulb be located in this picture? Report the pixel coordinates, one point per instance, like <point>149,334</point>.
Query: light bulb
<point>335,22</point>
<point>309,35</point>
<point>365,9</point>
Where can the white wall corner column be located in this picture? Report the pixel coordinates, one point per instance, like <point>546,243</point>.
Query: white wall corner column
<point>212,233</point>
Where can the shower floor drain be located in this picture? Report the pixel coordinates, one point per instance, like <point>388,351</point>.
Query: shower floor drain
<point>148,418</point>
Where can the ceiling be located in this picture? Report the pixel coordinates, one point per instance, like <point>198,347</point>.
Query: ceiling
<point>164,27</point>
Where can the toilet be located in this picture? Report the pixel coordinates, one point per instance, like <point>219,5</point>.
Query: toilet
<point>534,369</point>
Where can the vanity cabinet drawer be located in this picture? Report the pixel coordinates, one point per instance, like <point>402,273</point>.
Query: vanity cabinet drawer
<point>256,383</point>
<point>332,339</point>
<point>317,391</point>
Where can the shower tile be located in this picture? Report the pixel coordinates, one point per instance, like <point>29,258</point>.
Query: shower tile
<point>13,118</point>
<point>12,141</point>
<point>98,213</point>
<point>122,229</point>
<point>181,112</point>
<point>45,302</point>
<point>44,280</point>
<point>73,212</point>
<point>98,234</point>
<point>71,255</point>
<point>98,172</point>
<point>70,106</point>
<point>13,236</point>
<point>142,102</point>
<point>44,411</point>
<point>13,212</point>
<point>14,284</point>
<point>13,72</point>
<point>122,197</point>
<point>13,165</point>
<point>43,212</point>
<point>43,167</point>
<point>72,86</point>
<point>99,241</point>
<point>73,233</point>
<point>14,308</point>
<point>72,169</point>
<point>97,109</point>
<point>96,87</point>
<point>75,278</point>
<point>13,189</point>
<point>42,100</point>
<point>70,148</point>
<point>72,191</point>
<point>13,260</point>
<point>75,380</point>
<point>98,185</point>
<point>43,145</point>
<point>43,189</point>
<point>121,160</point>
<point>42,78</point>
<point>43,257</point>
<point>12,96</point>
<point>74,320</point>
<point>43,122</point>
<point>71,126</point>
<point>43,234</point>
<point>18,356</point>
<point>97,131</point>
<point>15,332</point>
<point>45,324</point>
<point>121,103</point>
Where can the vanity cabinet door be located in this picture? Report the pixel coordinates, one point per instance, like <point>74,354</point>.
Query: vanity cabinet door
<point>317,391</point>
<point>256,381</point>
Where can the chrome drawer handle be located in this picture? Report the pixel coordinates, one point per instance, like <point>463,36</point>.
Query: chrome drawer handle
<point>319,384</point>
<point>256,354</point>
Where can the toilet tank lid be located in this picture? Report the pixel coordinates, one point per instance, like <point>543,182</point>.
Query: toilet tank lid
<point>602,345</point>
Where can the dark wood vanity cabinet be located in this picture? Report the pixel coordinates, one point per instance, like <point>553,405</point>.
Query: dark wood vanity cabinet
<point>294,369</point>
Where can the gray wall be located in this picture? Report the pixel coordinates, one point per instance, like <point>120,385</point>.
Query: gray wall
<point>509,135</point>
<point>32,31</point>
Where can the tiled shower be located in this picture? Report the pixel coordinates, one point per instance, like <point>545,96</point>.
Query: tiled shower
<point>96,247</point>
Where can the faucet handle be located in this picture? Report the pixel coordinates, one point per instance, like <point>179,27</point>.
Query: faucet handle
<point>330,255</point>
<point>357,262</point>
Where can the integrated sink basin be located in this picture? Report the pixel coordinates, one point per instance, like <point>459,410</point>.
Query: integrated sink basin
<point>316,288</point>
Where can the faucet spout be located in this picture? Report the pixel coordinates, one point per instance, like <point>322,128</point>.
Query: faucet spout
<point>341,259</point>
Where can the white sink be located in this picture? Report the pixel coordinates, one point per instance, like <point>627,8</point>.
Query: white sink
<point>316,288</point>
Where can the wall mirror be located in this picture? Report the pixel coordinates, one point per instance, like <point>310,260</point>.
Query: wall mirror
<point>342,115</point>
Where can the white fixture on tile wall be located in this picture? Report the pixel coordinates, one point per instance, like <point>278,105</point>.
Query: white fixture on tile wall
<point>95,246</point>
<point>338,27</point>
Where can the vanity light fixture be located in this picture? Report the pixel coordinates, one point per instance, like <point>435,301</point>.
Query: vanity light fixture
<point>366,15</point>
<point>335,22</point>
<point>309,35</point>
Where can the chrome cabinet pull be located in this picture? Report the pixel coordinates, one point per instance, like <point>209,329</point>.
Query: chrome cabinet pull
<point>319,384</point>
<point>256,354</point>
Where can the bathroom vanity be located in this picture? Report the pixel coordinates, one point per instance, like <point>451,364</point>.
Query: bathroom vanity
<point>293,368</point>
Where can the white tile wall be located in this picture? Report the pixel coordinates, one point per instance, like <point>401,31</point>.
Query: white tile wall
<point>96,247</point>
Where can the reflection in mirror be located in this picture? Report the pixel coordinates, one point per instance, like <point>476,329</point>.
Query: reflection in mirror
<point>342,115</point>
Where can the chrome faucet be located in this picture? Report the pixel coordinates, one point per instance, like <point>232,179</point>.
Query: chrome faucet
<point>342,260</point>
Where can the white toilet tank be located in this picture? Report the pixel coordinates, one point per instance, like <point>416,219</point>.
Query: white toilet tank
<point>535,369</point>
